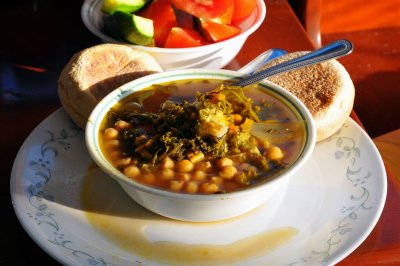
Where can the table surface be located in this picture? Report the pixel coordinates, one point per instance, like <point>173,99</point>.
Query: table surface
<point>43,37</point>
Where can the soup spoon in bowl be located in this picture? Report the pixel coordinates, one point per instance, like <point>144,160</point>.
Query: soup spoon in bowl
<point>333,50</point>
<point>282,131</point>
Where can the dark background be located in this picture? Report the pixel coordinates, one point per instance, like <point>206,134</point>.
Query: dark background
<point>54,30</point>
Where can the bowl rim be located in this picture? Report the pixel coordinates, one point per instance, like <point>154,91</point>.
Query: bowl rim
<point>95,118</point>
<point>89,6</point>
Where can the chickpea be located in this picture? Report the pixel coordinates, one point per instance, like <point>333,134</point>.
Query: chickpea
<point>120,125</point>
<point>167,174</point>
<point>220,163</point>
<point>217,180</point>
<point>167,163</point>
<point>228,171</point>
<point>204,166</point>
<point>265,144</point>
<point>176,185</point>
<point>184,166</point>
<point>209,187</point>
<point>149,178</point>
<point>199,175</point>
<point>183,176</point>
<point>237,119</point>
<point>132,171</point>
<point>275,153</point>
<point>123,162</point>
<point>191,187</point>
<point>134,161</point>
<point>112,143</point>
<point>110,133</point>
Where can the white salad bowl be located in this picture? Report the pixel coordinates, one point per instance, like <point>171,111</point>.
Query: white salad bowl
<point>211,56</point>
<point>198,207</point>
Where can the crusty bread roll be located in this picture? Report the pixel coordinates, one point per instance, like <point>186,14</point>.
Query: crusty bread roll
<point>94,72</point>
<point>326,89</point>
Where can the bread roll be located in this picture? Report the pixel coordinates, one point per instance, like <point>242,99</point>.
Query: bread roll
<point>326,89</point>
<point>94,72</point>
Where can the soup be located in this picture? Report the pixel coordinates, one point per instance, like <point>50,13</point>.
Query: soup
<point>201,137</point>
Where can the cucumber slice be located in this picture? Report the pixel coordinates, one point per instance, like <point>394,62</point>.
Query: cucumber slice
<point>129,27</point>
<point>128,6</point>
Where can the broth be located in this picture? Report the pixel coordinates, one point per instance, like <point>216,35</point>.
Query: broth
<point>200,159</point>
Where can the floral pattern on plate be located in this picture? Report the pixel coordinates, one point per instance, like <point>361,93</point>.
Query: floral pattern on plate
<point>334,202</point>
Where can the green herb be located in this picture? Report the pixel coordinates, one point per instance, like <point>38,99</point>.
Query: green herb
<point>179,130</point>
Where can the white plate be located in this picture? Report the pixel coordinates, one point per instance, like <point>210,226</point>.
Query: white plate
<point>327,211</point>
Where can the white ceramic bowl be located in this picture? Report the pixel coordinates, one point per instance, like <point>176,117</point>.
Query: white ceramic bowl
<point>212,56</point>
<point>189,207</point>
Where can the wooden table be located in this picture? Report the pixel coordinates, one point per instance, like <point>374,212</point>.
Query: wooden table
<point>39,37</point>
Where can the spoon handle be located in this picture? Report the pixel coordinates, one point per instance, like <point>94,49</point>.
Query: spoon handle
<point>333,50</point>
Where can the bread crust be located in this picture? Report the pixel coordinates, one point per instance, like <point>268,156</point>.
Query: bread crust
<point>94,72</point>
<point>325,88</point>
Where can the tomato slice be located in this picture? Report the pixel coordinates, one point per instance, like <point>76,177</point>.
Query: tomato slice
<point>216,32</point>
<point>183,38</point>
<point>242,9</point>
<point>207,9</point>
<point>163,16</point>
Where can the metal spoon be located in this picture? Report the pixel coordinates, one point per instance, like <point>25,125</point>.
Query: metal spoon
<point>333,50</point>
<point>261,60</point>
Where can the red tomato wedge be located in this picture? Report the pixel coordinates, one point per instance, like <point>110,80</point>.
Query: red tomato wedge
<point>221,10</point>
<point>242,9</point>
<point>184,38</point>
<point>216,32</point>
<point>163,16</point>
